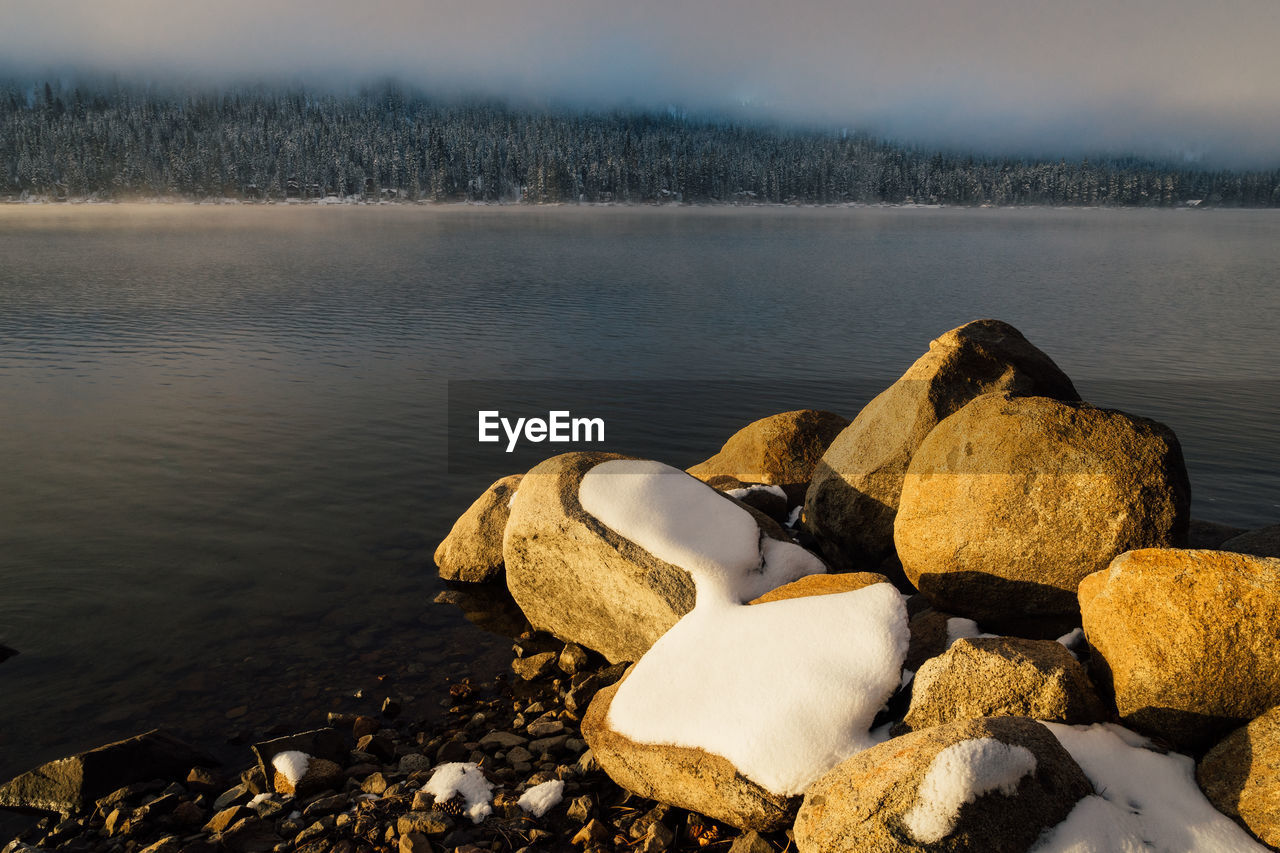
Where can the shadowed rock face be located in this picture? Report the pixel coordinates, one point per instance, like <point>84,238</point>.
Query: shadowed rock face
<point>472,552</point>
<point>1186,640</point>
<point>863,804</point>
<point>1011,501</point>
<point>687,778</point>
<point>1241,777</point>
<point>853,497</point>
<point>72,784</point>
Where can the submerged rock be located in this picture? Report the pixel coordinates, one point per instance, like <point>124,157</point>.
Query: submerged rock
<point>1011,501</point>
<point>780,450</point>
<point>853,498</point>
<point>1187,640</point>
<point>989,785</point>
<point>1003,677</point>
<point>472,552</point>
<point>1241,777</point>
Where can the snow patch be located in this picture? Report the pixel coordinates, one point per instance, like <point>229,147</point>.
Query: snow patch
<point>1146,801</point>
<point>961,774</point>
<point>292,765</point>
<point>260,798</point>
<point>794,518</point>
<point>756,487</point>
<point>684,522</point>
<point>784,690</point>
<point>541,799</point>
<point>465,779</point>
<point>959,628</point>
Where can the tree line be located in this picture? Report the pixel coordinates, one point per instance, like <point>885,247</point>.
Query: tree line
<point>121,141</point>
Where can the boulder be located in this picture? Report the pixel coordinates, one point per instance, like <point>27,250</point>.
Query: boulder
<point>684,777</point>
<point>1003,677</point>
<point>1241,777</point>
<point>821,585</point>
<point>1264,542</point>
<point>1186,640</point>
<point>577,578</point>
<point>1011,501</point>
<point>780,450</point>
<point>990,785</point>
<point>472,551</point>
<point>72,784</point>
<point>853,496</point>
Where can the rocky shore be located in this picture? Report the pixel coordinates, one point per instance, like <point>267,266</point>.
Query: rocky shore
<point>977,617</point>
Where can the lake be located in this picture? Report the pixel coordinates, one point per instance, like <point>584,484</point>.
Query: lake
<point>232,436</point>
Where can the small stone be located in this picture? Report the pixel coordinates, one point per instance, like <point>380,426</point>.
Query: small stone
<point>575,745</point>
<point>202,780</point>
<point>118,821</point>
<point>414,761</point>
<point>315,830</point>
<point>377,745</point>
<point>751,842</point>
<point>534,666</point>
<point>363,725</point>
<point>326,805</point>
<point>250,835</point>
<point>254,781</point>
<point>187,814</point>
<point>580,808</point>
<point>545,728</point>
<point>546,745</point>
<point>225,818</point>
<point>238,794</point>
<point>340,720</point>
<point>573,659</point>
<point>502,740</point>
<point>374,784</point>
<point>519,755</point>
<point>426,822</point>
<point>593,832</point>
<point>414,842</point>
<point>450,751</point>
<point>390,708</point>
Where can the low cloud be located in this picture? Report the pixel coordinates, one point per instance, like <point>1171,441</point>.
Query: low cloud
<point>1167,78</point>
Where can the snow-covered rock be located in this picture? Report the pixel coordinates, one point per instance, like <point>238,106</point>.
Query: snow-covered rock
<point>737,709</point>
<point>1146,801</point>
<point>617,583</point>
<point>991,785</point>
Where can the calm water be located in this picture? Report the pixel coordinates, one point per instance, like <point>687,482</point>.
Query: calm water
<point>226,446</point>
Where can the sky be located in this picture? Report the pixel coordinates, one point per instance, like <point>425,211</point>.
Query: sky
<point>1187,79</point>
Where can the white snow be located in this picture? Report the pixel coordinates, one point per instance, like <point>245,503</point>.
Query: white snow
<point>1073,640</point>
<point>784,690</point>
<point>260,798</point>
<point>756,487</point>
<point>684,522</point>
<point>467,780</point>
<point>794,517</point>
<point>541,799</point>
<point>959,628</point>
<point>1147,802</point>
<point>292,765</point>
<point>960,774</point>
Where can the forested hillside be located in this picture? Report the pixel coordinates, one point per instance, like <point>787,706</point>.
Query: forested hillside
<point>118,141</point>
